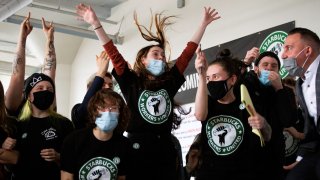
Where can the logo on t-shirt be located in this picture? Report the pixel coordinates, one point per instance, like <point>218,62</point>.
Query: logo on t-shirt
<point>291,143</point>
<point>99,168</point>
<point>225,134</point>
<point>155,107</point>
<point>49,134</point>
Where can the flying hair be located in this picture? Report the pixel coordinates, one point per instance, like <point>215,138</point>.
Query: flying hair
<point>160,22</point>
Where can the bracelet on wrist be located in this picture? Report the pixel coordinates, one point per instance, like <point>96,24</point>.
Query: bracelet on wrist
<point>97,27</point>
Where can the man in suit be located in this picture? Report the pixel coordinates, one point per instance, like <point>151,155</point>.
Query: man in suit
<point>301,57</point>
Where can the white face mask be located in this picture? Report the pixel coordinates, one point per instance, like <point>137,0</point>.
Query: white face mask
<point>156,67</point>
<point>290,64</point>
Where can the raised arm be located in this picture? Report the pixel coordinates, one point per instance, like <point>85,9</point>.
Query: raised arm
<point>49,65</point>
<point>81,112</point>
<point>201,102</point>
<point>209,15</point>
<point>14,93</point>
<point>87,14</point>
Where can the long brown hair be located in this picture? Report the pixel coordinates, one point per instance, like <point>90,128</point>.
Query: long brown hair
<point>160,22</point>
<point>100,99</point>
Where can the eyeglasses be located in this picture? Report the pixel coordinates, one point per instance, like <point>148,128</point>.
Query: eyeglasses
<point>110,109</point>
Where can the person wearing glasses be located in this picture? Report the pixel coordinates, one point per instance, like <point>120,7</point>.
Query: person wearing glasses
<point>99,151</point>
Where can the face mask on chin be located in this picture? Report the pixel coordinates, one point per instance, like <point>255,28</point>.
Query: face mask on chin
<point>156,67</point>
<point>218,89</point>
<point>290,64</point>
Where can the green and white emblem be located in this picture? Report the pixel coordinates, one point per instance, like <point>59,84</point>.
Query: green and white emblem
<point>225,134</point>
<point>155,107</point>
<point>98,168</point>
<point>292,143</point>
<point>274,43</point>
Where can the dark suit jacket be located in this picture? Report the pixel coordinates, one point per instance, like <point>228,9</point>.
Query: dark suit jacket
<point>311,143</point>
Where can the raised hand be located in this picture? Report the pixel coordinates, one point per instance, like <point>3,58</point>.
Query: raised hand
<point>200,63</point>
<point>275,80</point>
<point>26,27</point>
<point>102,63</point>
<point>251,55</point>
<point>209,15</point>
<point>87,14</point>
<point>48,29</point>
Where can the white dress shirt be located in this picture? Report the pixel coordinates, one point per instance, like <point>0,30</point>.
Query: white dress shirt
<point>309,89</point>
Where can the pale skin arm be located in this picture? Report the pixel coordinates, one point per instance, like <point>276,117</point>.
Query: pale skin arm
<point>14,93</point>
<point>8,156</point>
<point>87,14</point>
<point>49,65</point>
<point>50,155</point>
<point>296,134</point>
<point>275,80</point>
<point>102,64</point>
<point>66,175</point>
<point>201,101</point>
<point>257,121</point>
<point>209,15</point>
<point>251,55</point>
<point>9,143</point>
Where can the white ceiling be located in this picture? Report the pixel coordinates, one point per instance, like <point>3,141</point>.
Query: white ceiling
<point>68,31</point>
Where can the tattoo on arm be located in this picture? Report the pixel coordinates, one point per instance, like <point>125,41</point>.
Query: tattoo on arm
<point>17,61</point>
<point>50,59</point>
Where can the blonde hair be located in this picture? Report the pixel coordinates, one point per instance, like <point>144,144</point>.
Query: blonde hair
<point>26,112</point>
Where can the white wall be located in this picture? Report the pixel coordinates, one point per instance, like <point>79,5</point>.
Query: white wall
<point>238,19</point>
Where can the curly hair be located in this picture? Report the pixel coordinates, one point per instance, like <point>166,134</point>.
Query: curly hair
<point>104,97</point>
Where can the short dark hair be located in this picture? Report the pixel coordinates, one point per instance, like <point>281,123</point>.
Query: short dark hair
<point>267,54</point>
<point>306,34</point>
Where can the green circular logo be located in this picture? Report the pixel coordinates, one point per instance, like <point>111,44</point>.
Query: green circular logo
<point>155,107</point>
<point>99,168</point>
<point>292,144</point>
<point>274,42</point>
<point>225,134</point>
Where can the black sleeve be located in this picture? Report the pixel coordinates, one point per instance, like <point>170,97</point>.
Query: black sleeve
<point>68,155</point>
<point>286,106</point>
<point>79,112</point>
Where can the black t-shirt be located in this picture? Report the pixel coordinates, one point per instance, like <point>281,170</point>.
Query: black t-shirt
<point>34,135</point>
<point>151,108</point>
<point>86,157</point>
<point>229,149</point>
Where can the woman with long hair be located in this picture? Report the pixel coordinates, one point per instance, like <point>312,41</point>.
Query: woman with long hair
<point>149,90</point>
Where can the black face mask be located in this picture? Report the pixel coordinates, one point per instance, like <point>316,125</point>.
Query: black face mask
<point>217,89</point>
<point>43,99</point>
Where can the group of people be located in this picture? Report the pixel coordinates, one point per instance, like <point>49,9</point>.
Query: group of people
<point>42,144</point>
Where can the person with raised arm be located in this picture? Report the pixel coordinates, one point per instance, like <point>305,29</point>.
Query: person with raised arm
<point>149,90</point>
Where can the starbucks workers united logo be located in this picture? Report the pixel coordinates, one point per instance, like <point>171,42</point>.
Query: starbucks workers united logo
<point>274,43</point>
<point>225,134</point>
<point>99,168</point>
<point>155,107</point>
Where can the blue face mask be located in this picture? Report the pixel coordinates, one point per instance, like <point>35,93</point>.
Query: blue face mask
<point>108,121</point>
<point>264,74</point>
<point>156,67</point>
